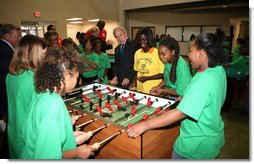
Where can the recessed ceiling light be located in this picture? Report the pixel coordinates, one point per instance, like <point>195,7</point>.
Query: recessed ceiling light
<point>224,6</point>
<point>74,19</point>
<point>76,22</point>
<point>93,20</point>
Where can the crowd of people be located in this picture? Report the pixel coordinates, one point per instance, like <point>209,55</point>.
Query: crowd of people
<point>35,72</point>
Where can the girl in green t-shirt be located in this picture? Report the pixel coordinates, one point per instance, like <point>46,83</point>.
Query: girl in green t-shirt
<point>27,57</point>
<point>104,62</point>
<point>91,64</point>
<point>176,71</point>
<point>47,131</point>
<point>202,128</point>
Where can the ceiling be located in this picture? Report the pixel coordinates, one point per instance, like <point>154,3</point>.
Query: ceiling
<point>207,6</point>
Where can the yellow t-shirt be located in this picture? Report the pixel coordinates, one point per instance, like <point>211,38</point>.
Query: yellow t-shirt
<point>147,64</point>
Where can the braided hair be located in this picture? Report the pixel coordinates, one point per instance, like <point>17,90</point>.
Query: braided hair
<point>172,44</point>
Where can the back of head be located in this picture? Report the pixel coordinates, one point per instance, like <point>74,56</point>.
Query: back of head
<point>244,49</point>
<point>212,46</point>
<point>221,36</point>
<point>51,27</point>
<point>192,37</point>
<point>28,54</point>
<point>100,24</point>
<point>66,42</point>
<point>51,73</point>
<point>95,31</point>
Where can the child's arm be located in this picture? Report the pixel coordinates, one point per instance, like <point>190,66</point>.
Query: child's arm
<point>154,90</point>
<point>134,83</point>
<point>104,75</point>
<point>143,79</point>
<point>82,152</point>
<point>167,118</point>
<point>91,64</point>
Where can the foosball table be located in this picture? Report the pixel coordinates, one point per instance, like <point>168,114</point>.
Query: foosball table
<point>105,112</point>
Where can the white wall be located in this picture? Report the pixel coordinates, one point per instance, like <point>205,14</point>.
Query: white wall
<point>162,19</point>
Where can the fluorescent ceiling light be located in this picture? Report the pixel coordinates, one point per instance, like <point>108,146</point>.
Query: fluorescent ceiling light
<point>76,22</point>
<point>93,20</point>
<point>74,19</point>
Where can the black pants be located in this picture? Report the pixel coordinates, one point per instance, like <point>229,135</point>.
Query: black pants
<point>89,79</point>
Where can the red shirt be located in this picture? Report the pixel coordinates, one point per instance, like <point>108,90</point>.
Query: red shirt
<point>102,34</point>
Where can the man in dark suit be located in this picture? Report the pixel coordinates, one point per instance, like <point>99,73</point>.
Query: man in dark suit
<point>124,58</point>
<point>9,35</point>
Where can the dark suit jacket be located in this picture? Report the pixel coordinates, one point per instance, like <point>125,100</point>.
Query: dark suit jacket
<point>124,65</point>
<point>6,54</point>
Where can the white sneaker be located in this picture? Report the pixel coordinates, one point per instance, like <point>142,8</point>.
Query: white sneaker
<point>2,126</point>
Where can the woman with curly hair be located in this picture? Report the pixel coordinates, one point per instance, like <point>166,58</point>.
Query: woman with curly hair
<point>48,132</point>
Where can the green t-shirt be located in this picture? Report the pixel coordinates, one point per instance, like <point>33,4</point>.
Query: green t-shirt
<point>48,129</point>
<point>20,93</point>
<point>104,63</point>
<point>81,48</point>
<point>239,68</point>
<point>236,53</point>
<point>202,132</point>
<point>92,58</point>
<point>183,76</point>
<point>226,49</point>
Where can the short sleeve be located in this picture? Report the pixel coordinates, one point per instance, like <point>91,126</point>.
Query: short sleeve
<point>194,100</point>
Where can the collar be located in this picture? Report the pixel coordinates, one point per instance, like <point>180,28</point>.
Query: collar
<point>149,51</point>
<point>8,44</point>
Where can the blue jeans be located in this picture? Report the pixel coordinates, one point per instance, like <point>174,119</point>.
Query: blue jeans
<point>176,156</point>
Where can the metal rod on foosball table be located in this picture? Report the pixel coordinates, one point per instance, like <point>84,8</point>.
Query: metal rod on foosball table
<point>97,145</point>
<point>160,108</point>
<point>132,103</point>
<point>69,99</point>
<point>122,118</point>
<point>85,123</point>
<point>101,94</point>
<point>79,91</point>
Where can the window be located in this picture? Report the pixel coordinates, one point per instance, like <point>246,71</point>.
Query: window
<point>35,28</point>
<point>175,32</point>
<point>134,31</point>
<point>183,33</point>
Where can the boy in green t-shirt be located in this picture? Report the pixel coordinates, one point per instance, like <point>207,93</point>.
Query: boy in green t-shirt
<point>202,128</point>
